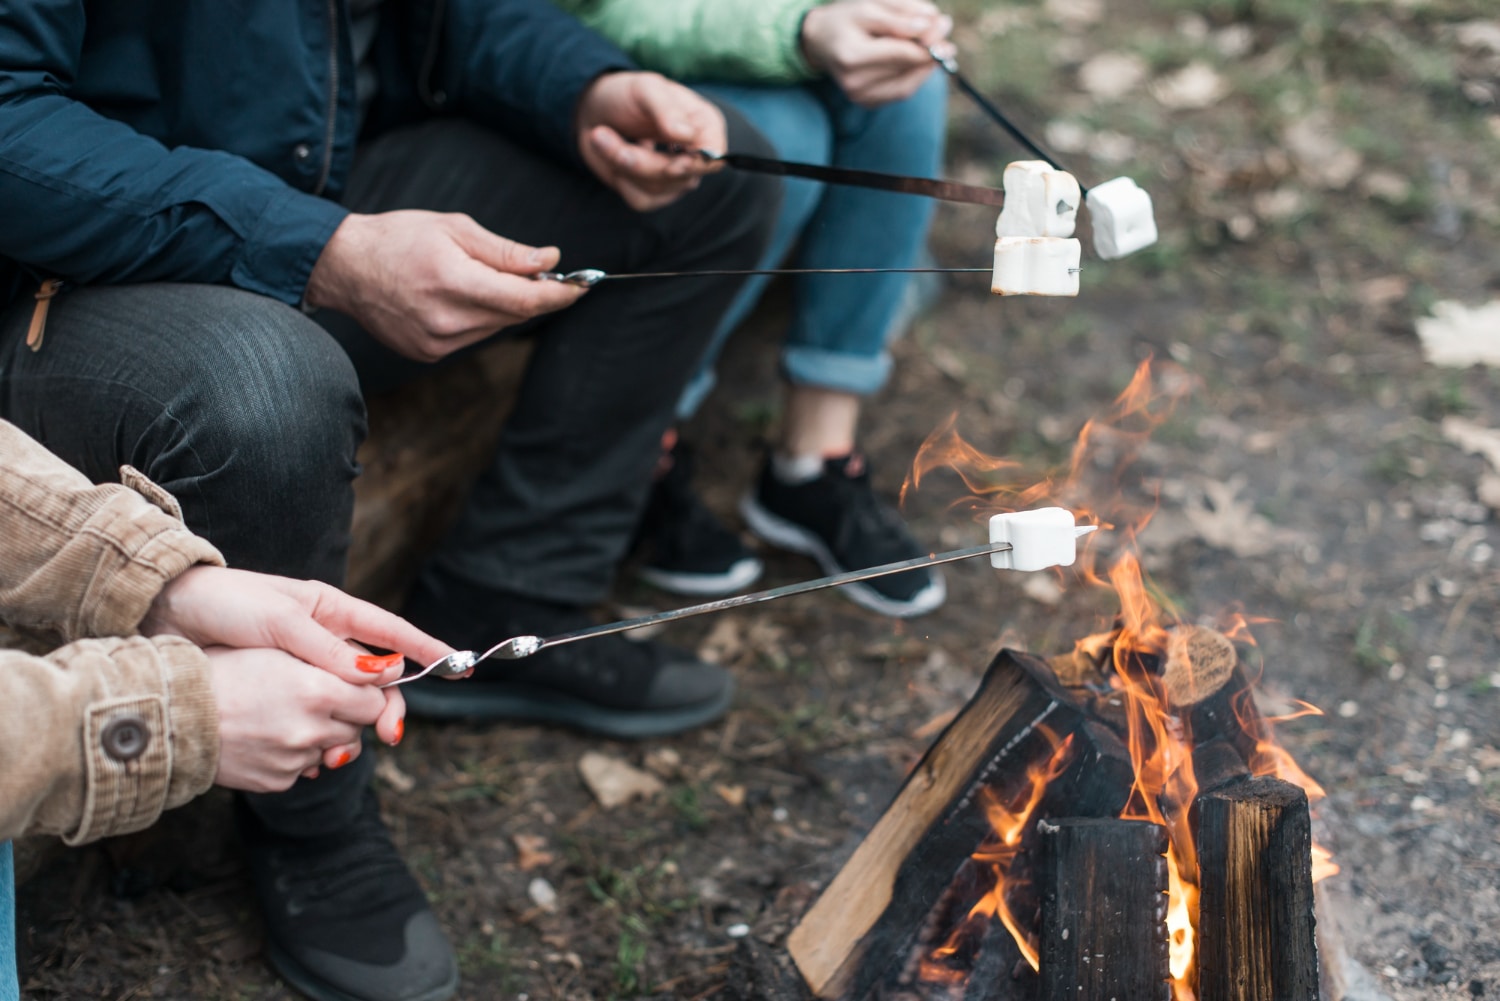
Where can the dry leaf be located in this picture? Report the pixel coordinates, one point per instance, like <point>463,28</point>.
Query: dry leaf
<point>1457,336</point>
<point>724,642</point>
<point>1377,293</point>
<point>1320,155</point>
<point>664,761</point>
<point>542,894</point>
<point>387,771</point>
<point>1075,13</point>
<point>1196,85</point>
<point>1112,75</point>
<point>1386,185</point>
<point>531,852</point>
<point>734,795</point>
<point>1475,438</point>
<point>1480,35</point>
<point>613,782</point>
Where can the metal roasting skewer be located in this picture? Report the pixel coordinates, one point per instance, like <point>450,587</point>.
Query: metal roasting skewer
<point>589,277</point>
<point>516,647</point>
<point>950,66</point>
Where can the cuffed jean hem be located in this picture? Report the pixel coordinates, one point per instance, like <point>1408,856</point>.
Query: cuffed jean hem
<point>857,374</point>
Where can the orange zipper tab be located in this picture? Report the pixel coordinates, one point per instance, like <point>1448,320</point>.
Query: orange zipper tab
<point>44,295</point>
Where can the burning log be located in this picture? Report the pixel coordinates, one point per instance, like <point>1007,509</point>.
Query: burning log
<point>1217,764</point>
<point>865,922</point>
<point>1204,682</point>
<point>1104,908</point>
<point>1256,939</point>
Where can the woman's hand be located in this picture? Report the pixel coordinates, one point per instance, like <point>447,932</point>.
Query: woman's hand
<point>877,51</point>
<point>257,628</point>
<point>280,717</point>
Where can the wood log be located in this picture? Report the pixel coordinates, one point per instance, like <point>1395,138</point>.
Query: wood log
<point>1256,922</point>
<point>1104,910</point>
<point>1000,972</point>
<point>1216,764</point>
<point>427,443</point>
<point>866,920</point>
<point>1197,663</point>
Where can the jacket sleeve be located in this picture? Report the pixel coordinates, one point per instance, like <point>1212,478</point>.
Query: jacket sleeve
<point>522,65</point>
<point>101,736</point>
<point>756,41</point>
<point>79,559</point>
<point>89,199</point>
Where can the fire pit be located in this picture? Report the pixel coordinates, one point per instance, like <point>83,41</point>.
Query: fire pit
<point>1116,823</point>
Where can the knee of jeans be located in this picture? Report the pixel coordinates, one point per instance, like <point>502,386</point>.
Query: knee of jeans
<point>283,399</point>
<point>914,130</point>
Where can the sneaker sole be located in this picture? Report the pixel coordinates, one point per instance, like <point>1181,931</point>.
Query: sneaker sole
<point>538,705</point>
<point>785,534</point>
<point>297,975</point>
<point>738,577</point>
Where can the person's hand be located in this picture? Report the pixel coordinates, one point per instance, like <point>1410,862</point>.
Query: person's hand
<point>877,51</point>
<point>213,607</point>
<point>426,284</point>
<point>280,718</point>
<point>621,118</point>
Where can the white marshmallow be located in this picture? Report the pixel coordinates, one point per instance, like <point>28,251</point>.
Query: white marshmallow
<point>1046,537</point>
<point>1040,200</point>
<point>1120,212</point>
<point>1036,265</point>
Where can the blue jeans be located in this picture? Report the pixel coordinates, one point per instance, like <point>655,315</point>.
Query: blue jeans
<point>841,324</point>
<point>10,990</point>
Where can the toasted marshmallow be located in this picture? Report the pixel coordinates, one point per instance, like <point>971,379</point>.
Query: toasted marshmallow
<point>1036,265</point>
<point>1040,200</point>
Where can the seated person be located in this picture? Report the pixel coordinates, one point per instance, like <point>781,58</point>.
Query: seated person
<point>223,224</point>
<point>848,83</point>
<point>178,674</point>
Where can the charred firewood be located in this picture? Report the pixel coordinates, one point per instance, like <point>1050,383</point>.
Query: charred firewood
<point>1104,909</point>
<point>1256,924</point>
<point>865,922</point>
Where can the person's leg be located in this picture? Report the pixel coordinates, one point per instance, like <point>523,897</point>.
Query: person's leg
<point>10,987</point>
<point>549,520</point>
<point>795,121</point>
<point>815,495</point>
<point>249,414</point>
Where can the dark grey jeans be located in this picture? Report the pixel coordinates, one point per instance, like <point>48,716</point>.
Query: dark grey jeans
<point>250,412</point>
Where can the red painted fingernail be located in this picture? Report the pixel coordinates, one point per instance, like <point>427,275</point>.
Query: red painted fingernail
<point>343,759</point>
<point>400,731</point>
<point>372,663</point>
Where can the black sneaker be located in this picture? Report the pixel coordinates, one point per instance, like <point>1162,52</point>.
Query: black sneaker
<point>345,919</point>
<point>688,549</point>
<point>608,685</point>
<point>838,521</point>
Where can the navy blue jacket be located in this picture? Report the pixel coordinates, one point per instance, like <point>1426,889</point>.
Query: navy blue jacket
<point>209,140</point>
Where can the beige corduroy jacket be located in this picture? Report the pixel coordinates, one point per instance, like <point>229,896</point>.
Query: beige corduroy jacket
<point>101,735</point>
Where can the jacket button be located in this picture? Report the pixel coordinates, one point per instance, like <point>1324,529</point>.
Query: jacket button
<point>125,738</point>
<point>301,152</point>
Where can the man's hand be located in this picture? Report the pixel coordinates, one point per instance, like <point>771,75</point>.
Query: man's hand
<point>280,718</point>
<point>875,50</point>
<point>621,116</point>
<point>425,284</point>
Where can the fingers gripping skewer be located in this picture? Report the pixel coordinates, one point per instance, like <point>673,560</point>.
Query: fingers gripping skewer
<point>1023,540</point>
<point>1120,210</point>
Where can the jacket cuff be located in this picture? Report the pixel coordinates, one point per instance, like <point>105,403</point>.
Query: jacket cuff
<point>284,244</point>
<point>155,548</point>
<point>155,748</point>
<point>788,23</point>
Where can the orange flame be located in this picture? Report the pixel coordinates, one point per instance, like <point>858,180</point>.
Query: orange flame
<point>1161,751</point>
<point>1009,820</point>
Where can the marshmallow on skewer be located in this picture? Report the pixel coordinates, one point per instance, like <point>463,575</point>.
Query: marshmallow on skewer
<point>1035,254</point>
<point>1046,537</point>
<point>1120,211</point>
<point>1040,200</point>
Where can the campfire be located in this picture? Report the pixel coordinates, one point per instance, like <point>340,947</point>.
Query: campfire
<point>1113,822</point>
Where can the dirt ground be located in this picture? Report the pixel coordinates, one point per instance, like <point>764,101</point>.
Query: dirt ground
<point>1323,175</point>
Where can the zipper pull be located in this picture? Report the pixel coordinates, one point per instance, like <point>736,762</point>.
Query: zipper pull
<point>49,288</point>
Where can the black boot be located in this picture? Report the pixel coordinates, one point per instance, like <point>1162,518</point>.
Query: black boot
<point>609,685</point>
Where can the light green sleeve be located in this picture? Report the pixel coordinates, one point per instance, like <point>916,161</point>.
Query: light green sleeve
<point>735,41</point>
